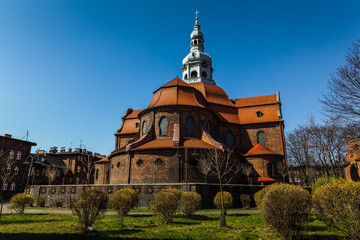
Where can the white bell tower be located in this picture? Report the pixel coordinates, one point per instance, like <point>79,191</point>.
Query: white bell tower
<point>197,65</point>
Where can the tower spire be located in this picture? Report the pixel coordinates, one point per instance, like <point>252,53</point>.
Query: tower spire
<point>197,65</point>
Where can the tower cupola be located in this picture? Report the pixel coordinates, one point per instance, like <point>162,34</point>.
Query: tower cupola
<point>197,65</point>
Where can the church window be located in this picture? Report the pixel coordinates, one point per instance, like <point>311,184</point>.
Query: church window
<point>140,163</point>
<point>144,128</point>
<point>137,125</point>
<point>185,76</point>
<point>163,126</point>
<point>190,126</point>
<point>16,171</point>
<point>118,165</point>
<point>208,126</point>
<point>8,171</point>
<point>270,169</point>
<point>158,162</point>
<point>259,114</point>
<point>229,138</point>
<point>1,152</point>
<point>97,174</point>
<point>5,186</point>
<point>261,138</point>
<point>203,74</point>
<point>79,169</point>
<point>194,74</point>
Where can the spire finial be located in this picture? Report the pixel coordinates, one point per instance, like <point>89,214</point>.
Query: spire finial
<point>196,13</point>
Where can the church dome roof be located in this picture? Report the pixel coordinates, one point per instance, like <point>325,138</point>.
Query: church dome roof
<point>177,92</point>
<point>213,93</point>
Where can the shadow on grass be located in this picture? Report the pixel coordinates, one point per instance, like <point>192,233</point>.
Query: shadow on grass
<point>204,218</point>
<point>40,236</point>
<point>23,221</point>
<point>322,237</point>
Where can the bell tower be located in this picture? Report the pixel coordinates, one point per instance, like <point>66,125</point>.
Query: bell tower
<point>197,65</point>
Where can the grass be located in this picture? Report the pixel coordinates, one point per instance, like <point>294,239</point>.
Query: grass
<point>52,226</point>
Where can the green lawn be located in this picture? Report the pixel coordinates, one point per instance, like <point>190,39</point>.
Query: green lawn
<point>44,226</point>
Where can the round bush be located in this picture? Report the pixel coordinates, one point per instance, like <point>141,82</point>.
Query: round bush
<point>165,204</point>
<point>286,208</point>
<point>123,201</point>
<point>189,203</point>
<point>337,203</point>
<point>227,199</point>
<point>19,201</point>
<point>323,180</point>
<point>92,202</point>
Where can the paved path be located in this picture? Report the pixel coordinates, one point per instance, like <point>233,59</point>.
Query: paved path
<point>67,211</point>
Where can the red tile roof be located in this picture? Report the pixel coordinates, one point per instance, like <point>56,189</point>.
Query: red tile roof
<point>258,179</point>
<point>259,149</point>
<point>104,160</point>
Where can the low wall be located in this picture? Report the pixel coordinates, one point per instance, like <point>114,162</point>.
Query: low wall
<point>67,193</point>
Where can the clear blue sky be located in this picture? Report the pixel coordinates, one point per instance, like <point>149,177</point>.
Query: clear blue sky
<point>70,68</point>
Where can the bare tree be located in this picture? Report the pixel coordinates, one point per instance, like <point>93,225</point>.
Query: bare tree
<point>343,97</point>
<point>247,170</point>
<point>51,172</point>
<point>283,169</point>
<point>204,168</point>
<point>87,161</point>
<point>6,164</point>
<point>222,165</point>
<point>316,149</point>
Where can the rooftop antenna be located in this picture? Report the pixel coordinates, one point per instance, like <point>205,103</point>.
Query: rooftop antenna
<point>26,136</point>
<point>80,144</point>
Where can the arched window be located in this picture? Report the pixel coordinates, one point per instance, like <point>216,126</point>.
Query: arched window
<point>190,126</point>
<point>144,128</point>
<point>270,169</point>
<point>185,76</point>
<point>203,74</point>
<point>163,123</point>
<point>208,126</point>
<point>97,174</point>
<point>261,138</point>
<point>229,138</point>
<point>193,74</point>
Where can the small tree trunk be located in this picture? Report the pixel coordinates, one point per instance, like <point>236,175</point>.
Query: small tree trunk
<point>222,220</point>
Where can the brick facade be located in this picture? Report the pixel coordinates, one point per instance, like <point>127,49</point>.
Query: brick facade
<point>352,160</point>
<point>147,156</point>
<point>18,150</point>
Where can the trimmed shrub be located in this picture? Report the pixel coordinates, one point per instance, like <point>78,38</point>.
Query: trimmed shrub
<point>321,181</point>
<point>337,204</point>
<point>189,203</point>
<point>285,208</point>
<point>165,204</point>
<point>19,201</point>
<point>227,198</point>
<point>92,203</point>
<point>123,201</point>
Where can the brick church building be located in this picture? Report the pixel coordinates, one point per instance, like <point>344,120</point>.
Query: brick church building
<point>161,143</point>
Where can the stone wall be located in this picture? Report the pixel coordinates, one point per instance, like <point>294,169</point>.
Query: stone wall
<point>67,193</point>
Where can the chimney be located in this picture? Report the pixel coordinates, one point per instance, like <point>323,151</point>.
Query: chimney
<point>70,149</point>
<point>7,135</point>
<point>78,150</point>
<point>53,150</point>
<point>62,149</point>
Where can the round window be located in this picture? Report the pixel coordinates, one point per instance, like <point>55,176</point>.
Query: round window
<point>140,163</point>
<point>158,162</point>
<point>118,165</point>
<point>229,139</point>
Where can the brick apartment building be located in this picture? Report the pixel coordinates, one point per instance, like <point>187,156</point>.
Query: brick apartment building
<point>15,152</point>
<point>66,166</point>
<point>161,143</point>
